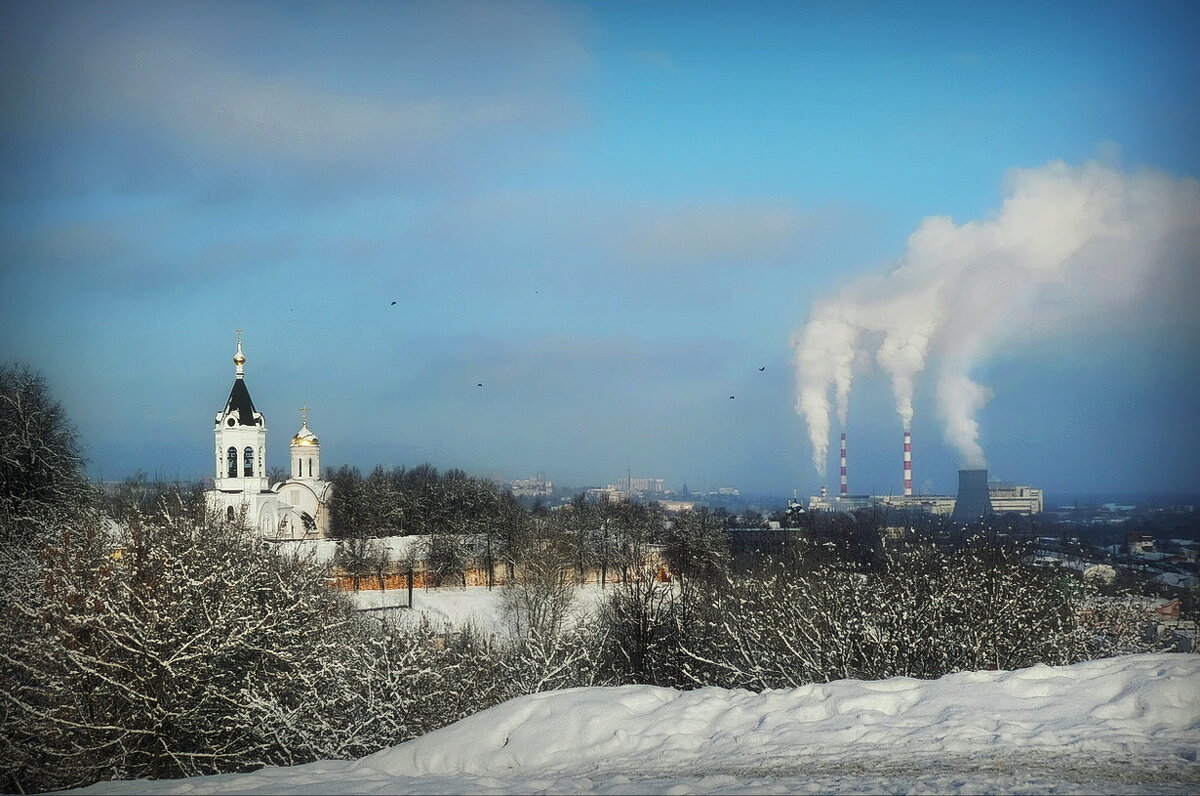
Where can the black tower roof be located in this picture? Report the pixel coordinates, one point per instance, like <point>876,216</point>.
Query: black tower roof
<point>239,402</point>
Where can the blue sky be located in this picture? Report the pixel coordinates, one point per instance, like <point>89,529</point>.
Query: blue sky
<point>611,215</point>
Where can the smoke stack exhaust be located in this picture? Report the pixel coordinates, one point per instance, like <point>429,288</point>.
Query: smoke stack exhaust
<point>845,491</point>
<point>907,464</point>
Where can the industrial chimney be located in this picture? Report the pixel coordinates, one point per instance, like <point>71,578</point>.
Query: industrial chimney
<point>973,502</point>
<point>845,491</point>
<point>907,464</point>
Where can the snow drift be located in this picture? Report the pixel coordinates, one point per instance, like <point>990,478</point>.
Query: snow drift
<point>1129,724</point>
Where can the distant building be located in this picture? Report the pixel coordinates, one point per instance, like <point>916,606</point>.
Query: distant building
<point>647,486</point>
<point>1021,499</point>
<point>537,486</point>
<point>678,505</point>
<point>1139,544</point>
<point>937,505</point>
<point>841,502</point>
<point>612,493</point>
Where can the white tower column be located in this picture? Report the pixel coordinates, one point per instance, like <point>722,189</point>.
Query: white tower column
<point>306,451</point>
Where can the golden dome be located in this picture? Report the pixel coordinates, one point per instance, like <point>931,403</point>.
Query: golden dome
<point>305,436</point>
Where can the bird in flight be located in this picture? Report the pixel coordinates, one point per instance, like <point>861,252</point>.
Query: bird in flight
<point>731,397</point>
<point>393,303</point>
<point>479,385</point>
<point>764,367</point>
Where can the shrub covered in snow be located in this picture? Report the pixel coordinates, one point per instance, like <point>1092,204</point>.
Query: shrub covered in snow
<point>1100,574</point>
<point>921,613</point>
<point>185,647</point>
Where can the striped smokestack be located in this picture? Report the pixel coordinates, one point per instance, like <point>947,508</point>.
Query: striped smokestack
<point>845,491</point>
<point>907,463</point>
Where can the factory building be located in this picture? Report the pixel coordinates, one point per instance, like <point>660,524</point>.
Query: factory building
<point>1012,497</point>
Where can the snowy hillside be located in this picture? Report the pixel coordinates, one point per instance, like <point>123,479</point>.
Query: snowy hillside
<point>1118,725</point>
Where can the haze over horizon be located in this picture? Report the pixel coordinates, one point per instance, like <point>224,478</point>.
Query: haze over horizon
<point>612,216</point>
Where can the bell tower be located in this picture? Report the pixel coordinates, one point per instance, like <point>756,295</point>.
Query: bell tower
<point>306,451</point>
<point>241,437</point>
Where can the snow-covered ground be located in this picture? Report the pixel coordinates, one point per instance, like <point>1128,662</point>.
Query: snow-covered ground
<point>1120,725</point>
<point>478,605</point>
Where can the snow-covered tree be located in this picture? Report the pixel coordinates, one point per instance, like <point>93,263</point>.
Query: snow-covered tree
<point>922,613</point>
<point>139,658</point>
<point>41,481</point>
<point>187,646</point>
<point>547,645</point>
<point>641,619</point>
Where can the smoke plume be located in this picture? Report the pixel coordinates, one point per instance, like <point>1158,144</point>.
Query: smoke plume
<point>1066,244</point>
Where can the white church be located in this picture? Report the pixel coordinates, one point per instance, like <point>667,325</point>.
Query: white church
<point>297,508</point>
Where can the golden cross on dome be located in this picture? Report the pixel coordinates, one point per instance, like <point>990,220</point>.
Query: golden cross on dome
<point>304,410</point>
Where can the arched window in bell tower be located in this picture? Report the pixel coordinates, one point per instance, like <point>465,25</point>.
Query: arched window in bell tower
<point>310,468</point>
<point>231,464</point>
<point>249,461</point>
<point>229,513</point>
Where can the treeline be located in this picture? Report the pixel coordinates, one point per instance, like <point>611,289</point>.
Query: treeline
<point>420,500</point>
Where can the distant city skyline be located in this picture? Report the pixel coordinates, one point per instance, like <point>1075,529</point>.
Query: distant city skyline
<point>584,239</point>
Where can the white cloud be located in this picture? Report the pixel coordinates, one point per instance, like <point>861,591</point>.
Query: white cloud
<point>407,85</point>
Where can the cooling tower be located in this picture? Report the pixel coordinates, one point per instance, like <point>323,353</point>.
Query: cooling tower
<point>973,502</point>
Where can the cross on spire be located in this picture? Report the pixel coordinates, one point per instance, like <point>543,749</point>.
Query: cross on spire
<point>239,358</point>
<point>304,410</point>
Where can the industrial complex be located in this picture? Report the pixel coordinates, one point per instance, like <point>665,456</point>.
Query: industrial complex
<point>976,497</point>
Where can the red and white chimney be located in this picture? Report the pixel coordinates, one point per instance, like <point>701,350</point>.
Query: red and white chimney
<point>907,464</point>
<point>845,491</point>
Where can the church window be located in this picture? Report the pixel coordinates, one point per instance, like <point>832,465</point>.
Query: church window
<point>249,461</point>
<point>310,468</point>
<point>229,513</point>
<point>230,422</point>
<point>231,469</point>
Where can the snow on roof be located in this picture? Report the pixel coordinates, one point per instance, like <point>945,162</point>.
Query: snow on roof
<point>323,550</point>
<point>1116,725</point>
<point>1176,580</point>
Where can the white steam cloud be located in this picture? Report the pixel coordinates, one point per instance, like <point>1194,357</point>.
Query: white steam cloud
<point>1067,243</point>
